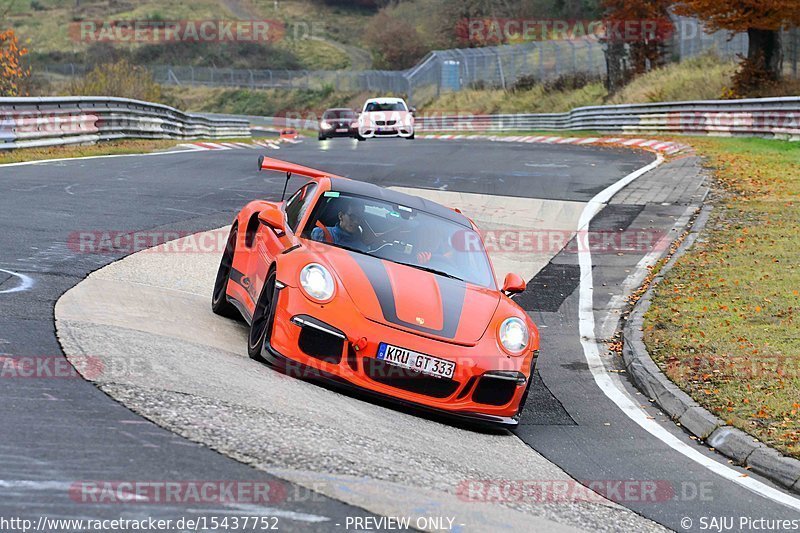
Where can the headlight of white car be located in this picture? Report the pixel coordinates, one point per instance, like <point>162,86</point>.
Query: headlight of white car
<point>514,335</point>
<point>324,125</point>
<point>317,282</point>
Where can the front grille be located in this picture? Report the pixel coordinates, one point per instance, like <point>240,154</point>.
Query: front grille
<point>408,380</point>
<point>385,122</point>
<point>352,358</point>
<point>493,391</point>
<point>466,388</point>
<point>317,343</point>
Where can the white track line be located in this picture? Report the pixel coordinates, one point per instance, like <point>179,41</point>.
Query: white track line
<point>26,282</point>
<point>109,156</point>
<point>604,380</point>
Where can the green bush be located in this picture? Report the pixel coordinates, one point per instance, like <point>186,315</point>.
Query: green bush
<point>121,79</point>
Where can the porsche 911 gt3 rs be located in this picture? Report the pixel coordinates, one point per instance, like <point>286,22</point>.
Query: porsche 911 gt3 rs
<point>379,291</point>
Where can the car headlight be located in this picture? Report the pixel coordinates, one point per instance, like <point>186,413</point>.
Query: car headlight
<point>317,282</point>
<point>514,335</point>
<point>324,125</point>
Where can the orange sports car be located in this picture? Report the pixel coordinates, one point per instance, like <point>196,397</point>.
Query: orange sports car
<point>379,291</point>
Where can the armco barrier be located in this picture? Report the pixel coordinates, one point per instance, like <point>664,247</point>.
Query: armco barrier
<point>768,117</point>
<point>52,121</point>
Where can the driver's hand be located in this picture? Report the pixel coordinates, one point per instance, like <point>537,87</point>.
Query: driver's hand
<point>367,235</point>
<point>423,258</point>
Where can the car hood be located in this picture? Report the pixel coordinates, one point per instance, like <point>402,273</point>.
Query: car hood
<point>413,300</point>
<point>400,116</point>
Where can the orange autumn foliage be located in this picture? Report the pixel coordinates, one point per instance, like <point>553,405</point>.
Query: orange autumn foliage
<point>11,67</point>
<point>742,15</point>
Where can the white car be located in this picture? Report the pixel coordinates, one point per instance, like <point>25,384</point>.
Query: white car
<point>386,117</point>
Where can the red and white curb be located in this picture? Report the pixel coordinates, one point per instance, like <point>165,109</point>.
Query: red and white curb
<point>254,145</point>
<point>665,147</point>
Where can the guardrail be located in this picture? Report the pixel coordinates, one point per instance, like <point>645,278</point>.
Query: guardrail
<point>53,121</point>
<point>769,117</point>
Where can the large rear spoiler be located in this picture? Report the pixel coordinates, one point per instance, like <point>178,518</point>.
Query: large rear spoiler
<point>268,163</point>
<point>291,169</point>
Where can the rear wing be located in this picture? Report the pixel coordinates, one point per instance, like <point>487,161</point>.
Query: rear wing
<point>268,163</point>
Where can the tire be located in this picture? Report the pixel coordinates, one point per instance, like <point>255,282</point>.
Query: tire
<point>263,318</point>
<point>321,137</point>
<point>411,138</point>
<point>260,161</point>
<point>219,301</point>
<point>359,137</point>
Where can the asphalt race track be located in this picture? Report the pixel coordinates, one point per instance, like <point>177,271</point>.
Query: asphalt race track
<point>61,431</point>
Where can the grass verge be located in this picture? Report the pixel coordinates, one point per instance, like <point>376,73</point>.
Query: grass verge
<point>722,324</point>
<point>107,148</point>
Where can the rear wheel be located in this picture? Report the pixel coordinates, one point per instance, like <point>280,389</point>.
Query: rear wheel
<point>263,317</point>
<point>219,300</point>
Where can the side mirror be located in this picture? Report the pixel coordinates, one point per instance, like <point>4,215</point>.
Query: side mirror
<point>513,284</point>
<point>413,111</point>
<point>272,217</point>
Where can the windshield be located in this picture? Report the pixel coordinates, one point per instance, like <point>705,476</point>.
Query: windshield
<point>338,113</point>
<point>376,106</point>
<point>402,235</point>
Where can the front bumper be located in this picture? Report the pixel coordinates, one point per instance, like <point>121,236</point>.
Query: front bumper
<point>318,342</point>
<point>369,131</point>
<point>329,133</point>
<point>290,367</point>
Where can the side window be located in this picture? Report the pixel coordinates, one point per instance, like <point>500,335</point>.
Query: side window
<point>298,204</point>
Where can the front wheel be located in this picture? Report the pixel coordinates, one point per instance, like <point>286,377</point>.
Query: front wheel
<point>411,137</point>
<point>263,317</point>
<point>219,300</point>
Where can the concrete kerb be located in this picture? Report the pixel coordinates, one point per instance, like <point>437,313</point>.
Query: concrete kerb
<point>646,375</point>
<point>734,443</point>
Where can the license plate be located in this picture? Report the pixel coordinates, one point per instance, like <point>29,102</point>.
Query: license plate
<point>341,130</point>
<point>385,129</point>
<point>425,364</point>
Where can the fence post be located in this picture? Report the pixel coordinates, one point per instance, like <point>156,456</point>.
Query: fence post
<point>557,50</point>
<point>574,57</point>
<point>500,67</point>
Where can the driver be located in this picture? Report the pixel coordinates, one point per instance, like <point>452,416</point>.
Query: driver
<point>347,231</point>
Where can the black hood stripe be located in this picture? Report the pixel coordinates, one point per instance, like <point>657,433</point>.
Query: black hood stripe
<point>452,292</point>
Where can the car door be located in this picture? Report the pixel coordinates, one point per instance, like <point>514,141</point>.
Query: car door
<point>270,242</point>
